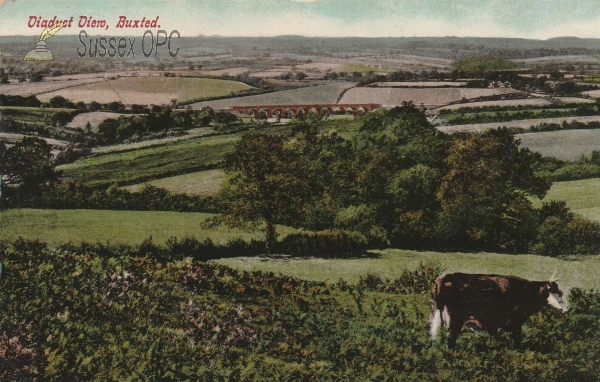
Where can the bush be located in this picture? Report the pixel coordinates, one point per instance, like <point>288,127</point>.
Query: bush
<point>17,100</point>
<point>560,237</point>
<point>362,219</point>
<point>585,234</point>
<point>323,244</point>
<point>574,171</point>
<point>553,238</point>
<point>190,247</point>
<point>419,281</point>
<point>150,198</point>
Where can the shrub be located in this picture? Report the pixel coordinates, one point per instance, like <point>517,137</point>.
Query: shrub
<point>418,281</point>
<point>205,250</point>
<point>553,238</point>
<point>560,237</point>
<point>585,234</point>
<point>326,243</point>
<point>557,209</point>
<point>362,219</point>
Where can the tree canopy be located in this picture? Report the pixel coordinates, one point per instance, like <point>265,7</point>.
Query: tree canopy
<point>265,185</point>
<point>398,182</point>
<point>29,163</point>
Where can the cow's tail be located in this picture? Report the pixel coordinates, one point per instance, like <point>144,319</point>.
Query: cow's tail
<point>435,322</point>
<point>437,317</point>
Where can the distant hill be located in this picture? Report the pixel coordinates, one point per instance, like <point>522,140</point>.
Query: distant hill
<point>440,47</point>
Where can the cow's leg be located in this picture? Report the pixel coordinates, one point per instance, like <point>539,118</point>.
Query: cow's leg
<point>516,335</point>
<point>456,324</point>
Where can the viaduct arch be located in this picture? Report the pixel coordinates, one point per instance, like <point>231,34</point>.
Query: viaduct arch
<point>288,111</point>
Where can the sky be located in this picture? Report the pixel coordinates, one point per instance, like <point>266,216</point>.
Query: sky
<point>539,19</point>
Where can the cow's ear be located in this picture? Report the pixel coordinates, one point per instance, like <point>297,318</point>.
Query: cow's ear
<point>545,288</point>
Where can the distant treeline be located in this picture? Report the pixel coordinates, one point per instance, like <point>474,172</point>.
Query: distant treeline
<point>556,170</point>
<point>520,107</point>
<point>143,123</point>
<point>17,100</point>
<point>484,79</point>
<point>458,118</point>
<point>71,196</point>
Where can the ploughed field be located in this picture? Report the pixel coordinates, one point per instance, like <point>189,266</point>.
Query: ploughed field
<point>149,90</point>
<point>426,96</point>
<point>565,144</point>
<point>319,94</point>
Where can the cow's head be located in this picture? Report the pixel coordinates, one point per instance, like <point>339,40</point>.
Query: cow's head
<point>555,297</point>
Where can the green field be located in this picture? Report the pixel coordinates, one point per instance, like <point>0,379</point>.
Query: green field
<point>573,273</point>
<point>164,161</point>
<point>591,79</point>
<point>132,227</point>
<point>128,227</point>
<point>149,162</point>
<point>196,183</point>
<point>582,196</point>
<point>31,115</point>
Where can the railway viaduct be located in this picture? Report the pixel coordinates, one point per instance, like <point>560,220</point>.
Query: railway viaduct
<point>288,111</point>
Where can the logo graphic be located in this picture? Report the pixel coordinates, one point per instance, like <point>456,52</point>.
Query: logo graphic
<point>41,52</point>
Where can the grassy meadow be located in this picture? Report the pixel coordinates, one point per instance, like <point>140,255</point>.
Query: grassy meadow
<point>196,183</point>
<point>327,93</point>
<point>126,227</point>
<point>149,162</point>
<point>580,272</point>
<point>582,196</point>
<point>170,159</point>
<point>564,144</point>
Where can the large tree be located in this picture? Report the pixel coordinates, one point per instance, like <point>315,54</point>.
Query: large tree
<point>29,163</point>
<point>398,157</point>
<point>484,191</point>
<point>266,185</point>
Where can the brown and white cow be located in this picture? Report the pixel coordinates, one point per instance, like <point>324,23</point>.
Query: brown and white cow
<point>489,302</point>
